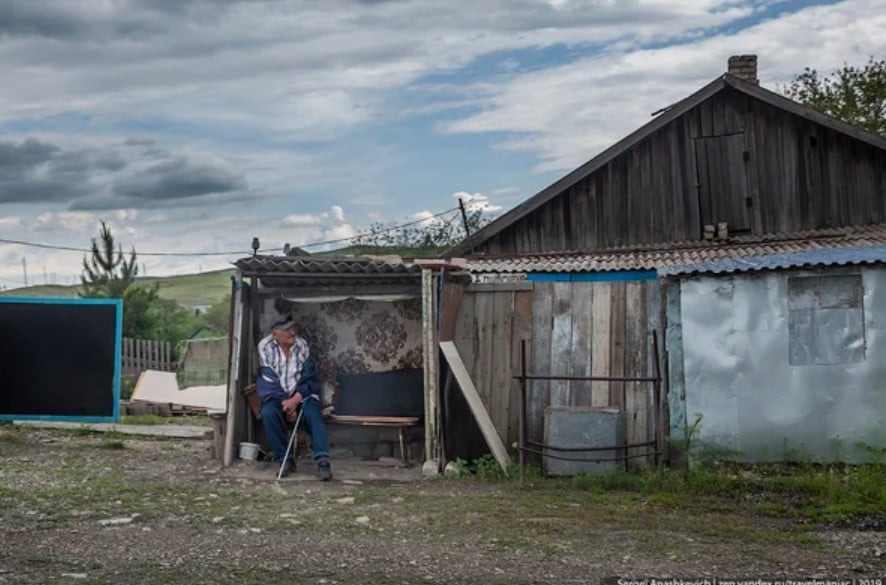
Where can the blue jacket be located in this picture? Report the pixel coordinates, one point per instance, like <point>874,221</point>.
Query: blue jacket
<point>268,383</point>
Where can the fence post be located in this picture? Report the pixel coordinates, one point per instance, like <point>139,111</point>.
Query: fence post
<point>522,429</point>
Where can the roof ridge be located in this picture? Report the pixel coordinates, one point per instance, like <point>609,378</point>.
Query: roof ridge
<point>817,235</point>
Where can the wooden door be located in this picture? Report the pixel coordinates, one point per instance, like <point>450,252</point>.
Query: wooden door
<point>721,163</point>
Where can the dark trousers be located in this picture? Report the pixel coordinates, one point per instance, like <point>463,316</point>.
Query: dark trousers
<point>278,429</point>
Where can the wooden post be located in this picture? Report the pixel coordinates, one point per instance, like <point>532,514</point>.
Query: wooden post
<point>659,456</point>
<point>428,348</point>
<point>522,427</point>
<point>234,397</point>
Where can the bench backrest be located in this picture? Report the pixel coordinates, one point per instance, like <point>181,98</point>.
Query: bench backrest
<point>399,393</point>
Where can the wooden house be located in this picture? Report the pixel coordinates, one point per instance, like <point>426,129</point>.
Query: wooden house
<point>724,185</point>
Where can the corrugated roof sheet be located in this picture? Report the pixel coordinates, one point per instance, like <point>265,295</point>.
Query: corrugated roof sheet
<point>325,266</point>
<point>809,258</point>
<point>820,247</point>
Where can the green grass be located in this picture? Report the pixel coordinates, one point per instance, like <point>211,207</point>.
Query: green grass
<point>831,493</point>
<point>824,493</point>
<point>154,419</point>
<point>189,290</point>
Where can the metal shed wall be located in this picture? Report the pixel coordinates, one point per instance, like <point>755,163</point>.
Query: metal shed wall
<point>740,370</point>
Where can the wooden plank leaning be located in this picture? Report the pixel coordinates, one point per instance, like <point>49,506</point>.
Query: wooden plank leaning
<point>493,439</point>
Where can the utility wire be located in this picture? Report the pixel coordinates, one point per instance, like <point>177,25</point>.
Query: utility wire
<point>230,253</point>
<point>385,230</point>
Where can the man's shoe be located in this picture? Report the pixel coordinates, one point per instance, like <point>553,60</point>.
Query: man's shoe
<point>324,469</point>
<point>288,468</point>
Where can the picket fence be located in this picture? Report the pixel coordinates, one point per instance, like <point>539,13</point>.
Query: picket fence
<point>139,355</point>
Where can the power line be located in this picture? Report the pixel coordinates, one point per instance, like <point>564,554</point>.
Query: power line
<point>230,253</point>
<point>382,231</point>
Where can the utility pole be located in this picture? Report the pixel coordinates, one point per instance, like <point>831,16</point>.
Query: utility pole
<point>25,269</point>
<point>464,219</point>
<point>45,275</point>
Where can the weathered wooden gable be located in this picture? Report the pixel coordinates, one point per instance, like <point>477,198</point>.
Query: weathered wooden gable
<point>731,158</point>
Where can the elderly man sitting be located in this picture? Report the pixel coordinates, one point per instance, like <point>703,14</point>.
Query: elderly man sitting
<point>288,381</point>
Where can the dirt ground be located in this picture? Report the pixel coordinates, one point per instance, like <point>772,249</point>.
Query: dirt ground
<point>94,509</point>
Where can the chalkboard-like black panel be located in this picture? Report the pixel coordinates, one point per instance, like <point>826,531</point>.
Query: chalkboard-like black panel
<point>381,394</point>
<point>60,359</point>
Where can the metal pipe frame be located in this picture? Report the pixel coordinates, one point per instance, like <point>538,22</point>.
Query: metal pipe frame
<point>588,449</point>
<point>600,460</point>
<point>526,446</point>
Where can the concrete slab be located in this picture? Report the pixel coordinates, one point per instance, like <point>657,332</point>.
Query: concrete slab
<point>353,471</point>
<point>171,431</point>
<point>162,388</point>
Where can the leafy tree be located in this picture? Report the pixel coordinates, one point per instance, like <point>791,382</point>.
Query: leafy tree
<point>106,273</point>
<point>854,95</point>
<point>138,313</point>
<point>431,236</point>
<point>216,317</point>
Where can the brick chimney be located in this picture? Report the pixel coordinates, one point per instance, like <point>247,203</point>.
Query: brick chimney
<point>744,67</point>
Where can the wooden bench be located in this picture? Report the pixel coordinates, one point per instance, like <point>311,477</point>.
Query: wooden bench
<point>393,399</point>
<point>401,423</point>
<point>403,392</point>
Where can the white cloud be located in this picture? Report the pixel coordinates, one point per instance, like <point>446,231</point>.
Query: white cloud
<point>303,68</point>
<point>476,202</point>
<point>565,114</point>
<point>243,92</point>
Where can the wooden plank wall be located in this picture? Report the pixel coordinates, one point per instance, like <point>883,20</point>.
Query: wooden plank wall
<point>800,176</point>
<point>487,334</point>
<point>572,329</point>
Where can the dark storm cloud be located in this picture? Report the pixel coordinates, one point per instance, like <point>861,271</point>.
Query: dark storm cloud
<point>179,178</point>
<point>33,171</point>
<point>114,177</point>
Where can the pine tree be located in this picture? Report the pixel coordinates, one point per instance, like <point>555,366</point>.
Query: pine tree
<point>106,272</point>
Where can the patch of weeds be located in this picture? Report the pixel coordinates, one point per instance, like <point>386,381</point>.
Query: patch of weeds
<point>81,431</point>
<point>113,435</point>
<point>112,445</point>
<point>773,509</point>
<point>143,419</point>
<point>670,500</point>
<point>39,560</point>
<point>11,437</point>
<point>488,469</point>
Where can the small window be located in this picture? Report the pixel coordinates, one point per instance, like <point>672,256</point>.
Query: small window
<point>826,322</point>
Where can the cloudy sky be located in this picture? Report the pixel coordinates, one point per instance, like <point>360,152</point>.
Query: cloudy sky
<point>194,125</point>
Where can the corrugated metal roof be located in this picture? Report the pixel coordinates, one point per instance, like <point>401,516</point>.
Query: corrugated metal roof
<point>325,266</point>
<point>820,247</point>
<point>809,258</point>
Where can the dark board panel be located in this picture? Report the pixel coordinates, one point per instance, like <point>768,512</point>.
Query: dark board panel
<point>397,393</point>
<point>60,359</point>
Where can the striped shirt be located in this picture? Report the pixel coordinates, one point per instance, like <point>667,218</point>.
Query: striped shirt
<point>288,370</point>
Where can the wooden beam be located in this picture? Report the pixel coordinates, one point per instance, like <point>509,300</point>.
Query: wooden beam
<point>233,373</point>
<point>307,291</point>
<point>450,304</point>
<point>427,324</point>
<point>500,287</point>
<point>473,398</point>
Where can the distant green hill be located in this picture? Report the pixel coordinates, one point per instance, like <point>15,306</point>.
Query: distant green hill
<point>207,288</point>
<point>189,290</point>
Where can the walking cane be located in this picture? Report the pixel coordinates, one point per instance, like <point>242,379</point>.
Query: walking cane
<point>289,448</point>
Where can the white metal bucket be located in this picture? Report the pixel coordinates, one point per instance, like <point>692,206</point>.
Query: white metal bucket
<point>249,451</point>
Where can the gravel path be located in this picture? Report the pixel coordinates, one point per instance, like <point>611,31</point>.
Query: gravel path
<point>83,509</point>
